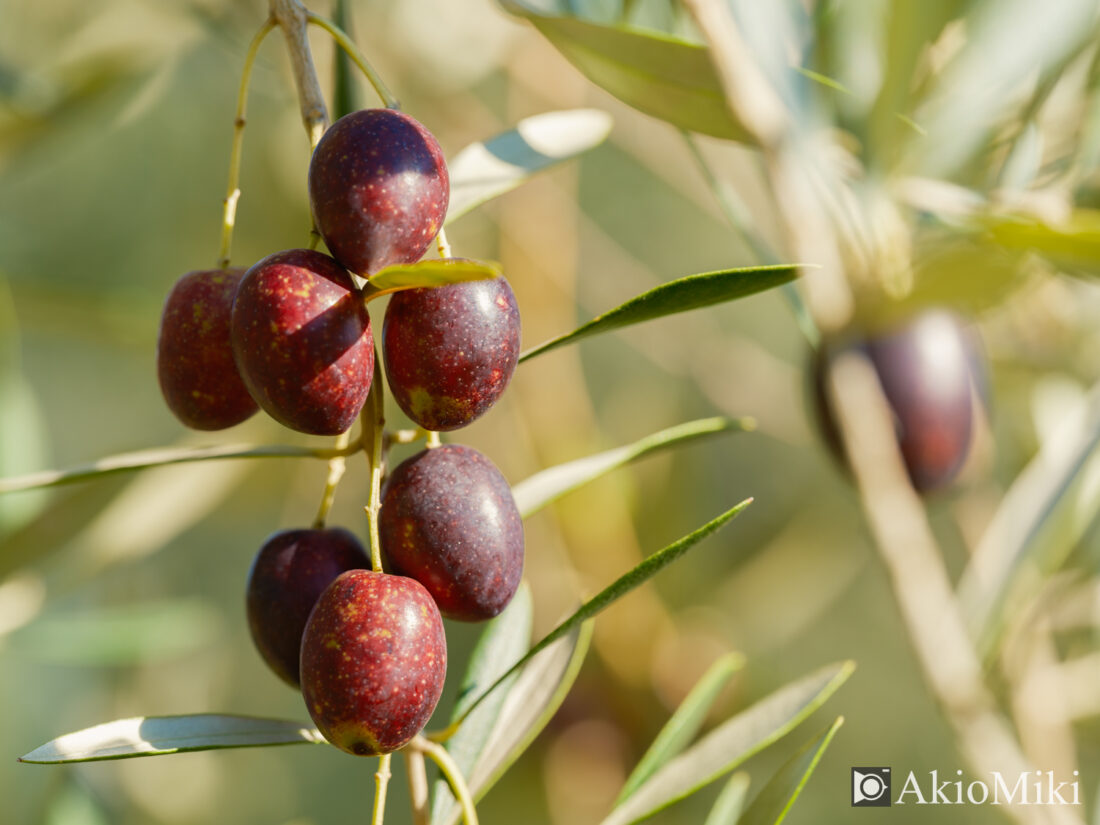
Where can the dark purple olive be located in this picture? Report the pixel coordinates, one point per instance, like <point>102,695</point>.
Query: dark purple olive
<point>373,661</point>
<point>302,341</point>
<point>289,573</point>
<point>379,189</point>
<point>195,367</point>
<point>926,368</point>
<point>448,519</point>
<point>450,351</point>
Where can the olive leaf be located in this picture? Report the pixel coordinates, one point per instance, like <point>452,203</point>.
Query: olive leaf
<point>160,735</point>
<point>658,74</point>
<point>488,169</point>
<point>634,577</point>
<point>534,698</point>
<point>535,492</point>
<point>681,295</point>
<point>774,802</point>
<point>505,639</point>
<point>429,273</point>
<point>731,743</point>
<point>1072,244</point>
<point>684,724</point>
<point>730,802</point>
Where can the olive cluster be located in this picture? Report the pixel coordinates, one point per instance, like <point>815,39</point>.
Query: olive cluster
<point>292,336</point>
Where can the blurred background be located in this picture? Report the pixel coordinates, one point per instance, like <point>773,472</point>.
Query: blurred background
<point>124,597</point>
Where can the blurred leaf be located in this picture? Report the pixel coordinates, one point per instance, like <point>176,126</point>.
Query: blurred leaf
<point>504,640</point>
<point>131,634</point>
<point>534,493</point>
<point>159,735</point>
<point>777,797</point>
<point>684,724</point>
<point>535,697</point>
<point>74,805</point>
<point>157,457</point>
<point>683,294</point>
<point>731,743</point>
<point>429,273</point>
<point>485,170</point>
<point>1039,521</point>
<point>660,75</point>
<point>1073,245</point>
<point>727,807</point>
<point>634,577</point>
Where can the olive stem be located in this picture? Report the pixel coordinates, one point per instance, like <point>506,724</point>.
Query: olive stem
<point>233,190</point>
<point>406,436</point>
<point>452,774</point>
<point>381,782</point>
<point>433,440</point>
<point>357,57</point>
<point>336,467</point>
<point>292,16</point>
<point>442,244</point>
<point>418,785</point>
<point>373,442</point>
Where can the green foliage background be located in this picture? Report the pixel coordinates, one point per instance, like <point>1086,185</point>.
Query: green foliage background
<point>125,597</point>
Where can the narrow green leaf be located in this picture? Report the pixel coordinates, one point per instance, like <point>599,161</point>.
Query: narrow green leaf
<point>129,634</point>
<point>731,743</point>
<point>534,493</point>
<point>347,96</point>
<point>663,76</point>
<point>159,735</point>
<point>727,807</point>
<point>1073,244</point>
<point>159,457</point>
<point>619,588</point>
<point>681,295</point>
<point>429,273</point>
<point>777,797</point>
<point>485,170</point>
<point>1039,521</point>
<point>684,724</point>
<point>505,639</point>
<point>537,694</point>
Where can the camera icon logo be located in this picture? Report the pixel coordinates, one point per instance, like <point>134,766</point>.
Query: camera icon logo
<point>870,787</point>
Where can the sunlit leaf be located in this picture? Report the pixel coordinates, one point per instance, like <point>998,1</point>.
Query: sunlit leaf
<point>485,170</point>
<point>781,792</point>
<point>731,743</point>
<point>1073,244</point>
<point>633,578</point>
<point>428,273</point>
<point>160,735</point>
<point>130,634</point>
<point>534,493</point>
<point>535,697</point>
<point>685,723</point>
<point>730,802</point>
<point>663,76</point>
<point>504,640</point>
<point>683,294</point>
<point>1039,521</point>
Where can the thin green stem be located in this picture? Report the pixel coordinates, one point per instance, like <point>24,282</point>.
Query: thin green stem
<point>161,457</point>
<point>433,440</point>
<point>336,466</point>
<point>740,219</point>
<point>381,783</point>
<point>233,191</point>
<point>357,57</point>
<point>453,775</point>
<point>374,442</point>
<point>418,785</point>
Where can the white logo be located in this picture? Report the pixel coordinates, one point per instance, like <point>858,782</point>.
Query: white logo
<point>870,787</point>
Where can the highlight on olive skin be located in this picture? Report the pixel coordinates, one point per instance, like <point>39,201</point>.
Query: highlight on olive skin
<point>288,574</point>
<point>930,368</point>
<point>448,519</point>
<point>373,661</point>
